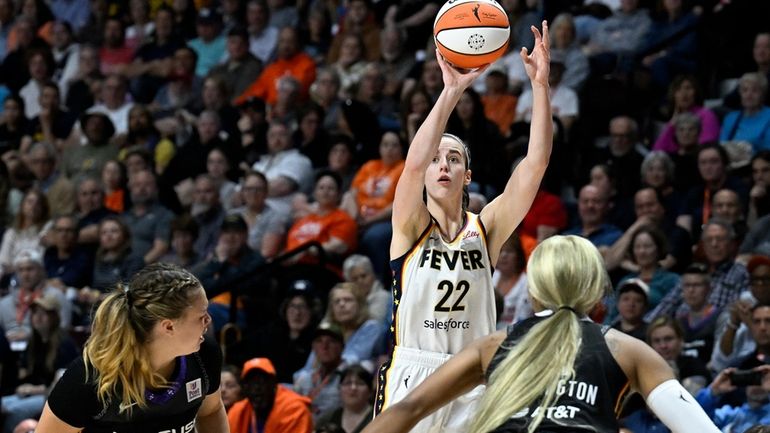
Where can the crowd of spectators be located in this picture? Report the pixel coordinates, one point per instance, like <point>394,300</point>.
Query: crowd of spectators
<point>259,142</point>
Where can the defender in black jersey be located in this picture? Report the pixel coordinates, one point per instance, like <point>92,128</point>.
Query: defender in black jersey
<point>146,366</point>
<point>558,371</point>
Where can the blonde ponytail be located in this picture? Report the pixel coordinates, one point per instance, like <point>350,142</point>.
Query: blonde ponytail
<point>566,274</point>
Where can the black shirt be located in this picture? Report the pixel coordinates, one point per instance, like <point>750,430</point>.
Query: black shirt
<point>588,402</point>
<point>201,378</point>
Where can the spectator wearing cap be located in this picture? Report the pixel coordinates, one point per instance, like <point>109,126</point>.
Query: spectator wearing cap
<point>270,406</point>
<point>50,349</point>
<point>65,260</point>
<point>115,102</point>
<point>241,67</point>
<point>286,169</point>
<point>210,45</point>
<point>262,36</point>
<point>633,295</point>
<point>149,220</point>
<point>289,60</point>
<point>267,226</point>
<point>31,285</point>
<point>734,342</point>
<point>699,318</point>
<point>231,259</point>
<point>321,380</point>
<point>564,100</point>
<point>208,213</point>
<point>89,159</point>
<point>184,232</point>
<point>728,278</point>
<point>756,410</point>
<point>287,340</point>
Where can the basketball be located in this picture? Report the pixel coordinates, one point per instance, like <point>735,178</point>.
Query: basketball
<point>471,33</point>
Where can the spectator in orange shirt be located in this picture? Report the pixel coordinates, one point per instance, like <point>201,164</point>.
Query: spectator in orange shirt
<point>290,61</point>
<point>325,222</point>
<point>271,407</point>
<point>370,200</point>
<point>499,103</point>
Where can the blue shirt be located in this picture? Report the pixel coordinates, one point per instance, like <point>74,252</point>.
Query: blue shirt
<point>739,419</point>
<point>209,54</point>
<point>604,236</point>
<point>754,128</point>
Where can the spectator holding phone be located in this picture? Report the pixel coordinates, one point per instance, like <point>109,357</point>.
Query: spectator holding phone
<point>756,410</point>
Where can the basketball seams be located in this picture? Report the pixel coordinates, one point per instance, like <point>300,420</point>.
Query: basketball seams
<point>472,55</point>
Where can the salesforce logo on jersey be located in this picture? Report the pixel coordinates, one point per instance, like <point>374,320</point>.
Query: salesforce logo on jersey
<point>446,325</point>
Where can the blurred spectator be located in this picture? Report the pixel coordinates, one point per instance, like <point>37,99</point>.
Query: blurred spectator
<point>751,122</point>
<point>184,232</point>
<point>592,209</point>
<point>210,45</point>
<point>499,103</point>
<point>31,285</point>
<point>115,102</point>
<point>153,62</point>
<point>185,17</point>
<point>360,22</point>
<point>289,60</point>
<point>667,338</point>
<point>30,226</point>
<point>320,380</point>
<point>357,397</point>
<point>759,196</point>
<point>114,53</point>
<point>59,191</point>
<point>632,295</point>
<point>311,138</point>
<point>40,67</point>
<point>686,96</point>
<point>416,18</point>
<point>14,72</point>
<point>757,241</point>
<point>670,45</point>
<point>761,57</point>
<point>66,53</point>
<point>395,59</point>
<point>323,222</point>
<point>217,168</point>
<point>371,91</point>
<point>616,39</point>
<point>262,37</point>
<point>241,67</point>
<point>230,260</point>
<point>287,103</point>
<point>325,92</point>
<point>727,206</point>
<point>687,128</point>
<point>53,123</point>
<point>286,169</point>
<point>510,282</point>
<point>74,12</point>
<point>116,261</point>
<point>268,404</point>
<point>287,340</point>
<point>358,121</point>
<point>370,200</point>
<point>350,63</point>
<point>183,87</point>
<point>65,260</point>
<point>564,100</point>
<point>734,342</point>
<point>142,134</point>
<point>230,385</point>
<point>6,24</point>
<point>50,349</point>
<point>115,179</point>
<point>142,27</point>
<point>756,410</point>
<point>317,34</point>
<point>546,217</point>
<point>358,269</point>
<point>89,159</point>
<point>623,152</point>
<point>149,220</point>
<point>565,45</point>
<point>699,319</point>
<point>646,250</point>
<point>728,277</point>
<point>267,226</point>
<point>208,213</point>
<point>83,88</point>
<point>14,125</point>
<point>215,97</point>
<point>90,209</point>
<point>658,172</point>
<point>340,159</point>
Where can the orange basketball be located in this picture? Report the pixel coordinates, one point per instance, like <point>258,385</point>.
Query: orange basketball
<point>471,33</point>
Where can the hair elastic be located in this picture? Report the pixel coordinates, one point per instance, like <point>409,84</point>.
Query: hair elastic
<point>127,292</point>
<point>567,307</point>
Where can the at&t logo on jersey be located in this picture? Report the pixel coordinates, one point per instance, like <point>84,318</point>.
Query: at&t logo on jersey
<point>187,428</point>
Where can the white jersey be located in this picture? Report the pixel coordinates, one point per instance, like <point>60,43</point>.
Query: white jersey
<point>442,291</point>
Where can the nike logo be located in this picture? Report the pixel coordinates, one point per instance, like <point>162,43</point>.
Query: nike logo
<point>406,382</point>
<point>681,396</point>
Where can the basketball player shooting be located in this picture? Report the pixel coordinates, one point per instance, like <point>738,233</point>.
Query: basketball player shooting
<point>443,255</point>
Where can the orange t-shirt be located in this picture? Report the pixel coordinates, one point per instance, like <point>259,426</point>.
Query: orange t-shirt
<point>321,228</point>
<point>376,185</point>
<point>500,109</point>
<point>290,414</point>
<point>115,201</point>
<point>301,67</point>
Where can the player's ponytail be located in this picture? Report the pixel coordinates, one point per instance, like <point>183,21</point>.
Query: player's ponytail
<point>116,351</point>
<point>566,274</point>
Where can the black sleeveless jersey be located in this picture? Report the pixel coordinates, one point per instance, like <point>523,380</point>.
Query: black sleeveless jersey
<point>590,402</point>
<point>75,402</point>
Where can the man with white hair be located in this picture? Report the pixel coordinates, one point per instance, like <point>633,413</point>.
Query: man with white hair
<point>31,285</point>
